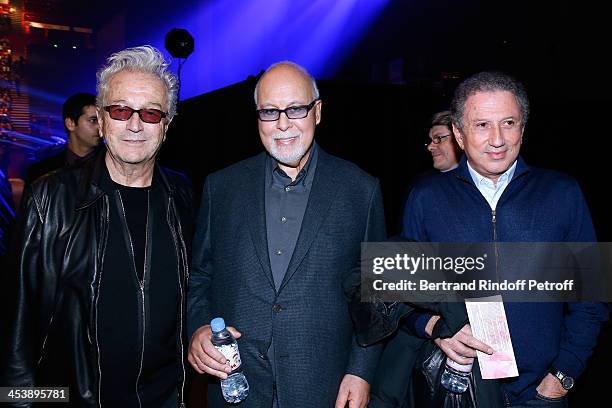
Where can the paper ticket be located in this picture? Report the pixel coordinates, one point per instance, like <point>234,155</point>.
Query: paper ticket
<point>489,324</point>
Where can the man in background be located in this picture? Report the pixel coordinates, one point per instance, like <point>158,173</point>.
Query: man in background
<point>81,125</point>
<point>443,147</point>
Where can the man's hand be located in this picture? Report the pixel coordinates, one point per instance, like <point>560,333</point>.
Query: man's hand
<point>204,357</point>
<point>355,391</point>
<point>550,387</point>
<point>461,348</point>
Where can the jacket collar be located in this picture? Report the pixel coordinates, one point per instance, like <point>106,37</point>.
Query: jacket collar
<point>319,202</point>
<point>89,188</point>
<point>463,173</point>
<point>254,186</point>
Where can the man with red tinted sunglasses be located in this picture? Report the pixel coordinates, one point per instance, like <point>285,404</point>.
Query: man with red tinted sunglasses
<point>103,257</point>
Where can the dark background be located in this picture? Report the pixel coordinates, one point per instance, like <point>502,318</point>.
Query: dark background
<point>406,67</point>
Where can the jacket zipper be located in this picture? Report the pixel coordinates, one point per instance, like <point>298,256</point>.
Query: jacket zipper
<point>100,259</point>
<point>181,258</point>
<point>494,222</point>
<point>141,284</point>
<point>42,348</point>
<point>95,296</point>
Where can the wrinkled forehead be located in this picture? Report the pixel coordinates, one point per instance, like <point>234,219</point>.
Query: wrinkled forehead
<point>492,103</point>
<point>142,86</point>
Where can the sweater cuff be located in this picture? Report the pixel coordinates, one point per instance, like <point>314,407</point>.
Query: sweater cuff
<point>416,323</point>
<point>568,364</point>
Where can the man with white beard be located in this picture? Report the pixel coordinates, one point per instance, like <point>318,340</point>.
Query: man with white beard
<point>276,236</point>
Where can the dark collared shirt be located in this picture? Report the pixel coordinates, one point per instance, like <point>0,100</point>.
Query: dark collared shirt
<point>286,202</point>
<point>72,157</point>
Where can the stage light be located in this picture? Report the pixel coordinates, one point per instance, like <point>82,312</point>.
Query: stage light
<point>236,39</point>
<point>179,43</point>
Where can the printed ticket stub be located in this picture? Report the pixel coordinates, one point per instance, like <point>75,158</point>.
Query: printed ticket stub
<point>489,324</point>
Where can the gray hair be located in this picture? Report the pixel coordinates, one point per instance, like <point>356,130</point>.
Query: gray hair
<point>488,81</point>
<point>144,59</point>
<point>440,119</point>
<point>301,69</point>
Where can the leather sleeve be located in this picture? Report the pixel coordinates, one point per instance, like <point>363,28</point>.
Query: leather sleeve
<point>34,292</point>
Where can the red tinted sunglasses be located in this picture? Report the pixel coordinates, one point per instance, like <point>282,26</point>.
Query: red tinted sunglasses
<point>123,113</point>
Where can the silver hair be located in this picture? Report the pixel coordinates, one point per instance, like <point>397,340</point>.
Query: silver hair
<point>301,69</point>
<point>144,59</point>
<point>441,119</point>
<point>488,81</point>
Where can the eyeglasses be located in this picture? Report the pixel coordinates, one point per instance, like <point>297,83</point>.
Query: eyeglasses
<point>292,112</point>
<point>123,113</point>
<point>437,140</point>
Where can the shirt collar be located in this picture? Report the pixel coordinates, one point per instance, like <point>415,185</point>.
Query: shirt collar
<point>479,179</point>
<point>302,177</point>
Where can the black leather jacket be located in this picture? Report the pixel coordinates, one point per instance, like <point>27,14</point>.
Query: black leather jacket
<point>53,340</point>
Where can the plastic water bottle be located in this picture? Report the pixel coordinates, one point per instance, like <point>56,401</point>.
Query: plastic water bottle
<point>456,377</point>
<point>235,387</point>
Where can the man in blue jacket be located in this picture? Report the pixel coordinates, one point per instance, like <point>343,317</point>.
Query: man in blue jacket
<point>495,196</point>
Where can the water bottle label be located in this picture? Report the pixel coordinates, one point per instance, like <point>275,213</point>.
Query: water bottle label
<point>231,354</point>
<point>459,367</point>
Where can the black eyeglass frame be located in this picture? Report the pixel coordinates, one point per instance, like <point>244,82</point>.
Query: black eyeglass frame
<point>279,111</point>
<point>437,140</point>
<point>138,111</point>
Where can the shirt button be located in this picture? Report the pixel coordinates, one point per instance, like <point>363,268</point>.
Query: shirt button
<point>283,219</point>
<point>287,188</point>
<point>277,308</point>
<point>279,252</point>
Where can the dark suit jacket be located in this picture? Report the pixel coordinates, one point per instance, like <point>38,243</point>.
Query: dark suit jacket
<point>308,316</point>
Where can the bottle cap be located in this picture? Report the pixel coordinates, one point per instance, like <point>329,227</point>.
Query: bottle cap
<point>217,324</point>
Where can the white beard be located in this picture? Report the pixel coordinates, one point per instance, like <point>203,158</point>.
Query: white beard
<point>288,155</point>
